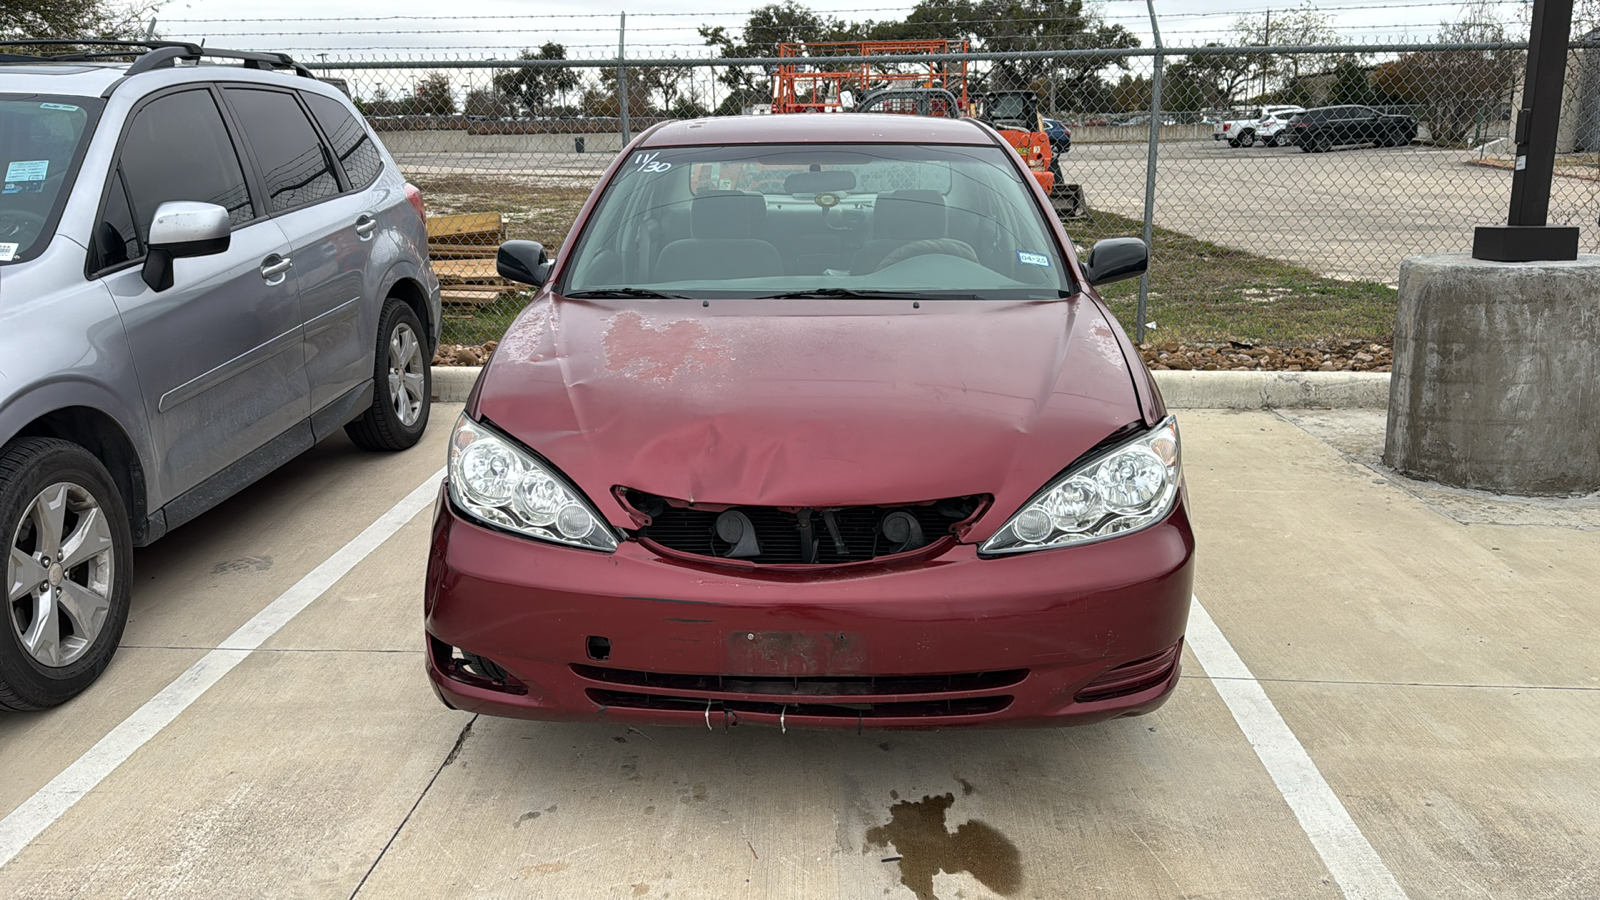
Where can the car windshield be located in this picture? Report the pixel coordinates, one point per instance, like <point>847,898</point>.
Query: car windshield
<point>39,142</point>
<point>827,220</point>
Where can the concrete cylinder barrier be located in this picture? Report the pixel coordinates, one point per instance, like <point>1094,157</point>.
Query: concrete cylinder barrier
<point>1496,381</point>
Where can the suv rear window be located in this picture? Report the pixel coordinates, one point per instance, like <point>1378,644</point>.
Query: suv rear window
<point>351,142</point>
<point>293,163</point>
<point>40,140</point>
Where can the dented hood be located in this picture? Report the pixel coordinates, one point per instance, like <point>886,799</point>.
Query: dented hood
<point>809,402</point>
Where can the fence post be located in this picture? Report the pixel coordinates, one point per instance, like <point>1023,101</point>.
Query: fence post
<point>622,76</point>
<point>1150,170</point>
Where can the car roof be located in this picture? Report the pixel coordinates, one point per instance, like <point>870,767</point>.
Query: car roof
<point>76,79</point>
<point>817,128</point>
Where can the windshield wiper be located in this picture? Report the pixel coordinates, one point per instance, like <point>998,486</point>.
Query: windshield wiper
<point>602,293</point>
<point>867,294</point>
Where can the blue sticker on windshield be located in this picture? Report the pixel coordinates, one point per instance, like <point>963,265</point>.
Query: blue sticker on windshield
<point>1033,259</point>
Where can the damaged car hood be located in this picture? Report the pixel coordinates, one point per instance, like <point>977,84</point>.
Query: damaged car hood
<point>809,402</point>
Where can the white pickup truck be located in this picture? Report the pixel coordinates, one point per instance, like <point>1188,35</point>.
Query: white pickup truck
<point>1263,123</point>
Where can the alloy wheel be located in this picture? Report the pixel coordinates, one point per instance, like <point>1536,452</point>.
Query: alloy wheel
<point>405,374</point>
<point>60,574</point>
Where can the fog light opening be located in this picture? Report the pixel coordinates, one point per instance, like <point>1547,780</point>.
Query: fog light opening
<point>473,669</point>
<point>599,647</point>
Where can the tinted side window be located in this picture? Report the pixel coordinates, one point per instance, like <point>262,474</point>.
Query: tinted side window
<point>293,163</point>
<point>116,239</point>
<point>351,142</point>
<point>178,149</point>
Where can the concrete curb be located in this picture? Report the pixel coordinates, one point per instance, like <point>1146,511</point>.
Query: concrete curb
<point>1182,390</point>
<point>1274,390</point>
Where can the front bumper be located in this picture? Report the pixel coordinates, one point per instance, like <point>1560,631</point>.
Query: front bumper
<point>956,640</point>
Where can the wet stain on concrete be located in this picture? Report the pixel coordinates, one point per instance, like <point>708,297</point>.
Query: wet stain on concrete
<point>527,817</point>
<point>243,564</point>
<point>639,890</point>
<point>917,831</point>
<point>966,786</point>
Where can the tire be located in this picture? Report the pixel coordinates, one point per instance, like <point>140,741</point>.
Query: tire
<point>402,384</point>
<point>60,634</point>
<point>1271,141</point>
<point>1247,139</point>
<point>1233,142</point>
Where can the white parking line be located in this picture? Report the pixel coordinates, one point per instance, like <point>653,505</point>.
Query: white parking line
<point>38,812</point>
<point>1350,859</point>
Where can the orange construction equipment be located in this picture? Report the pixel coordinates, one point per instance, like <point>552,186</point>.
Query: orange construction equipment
<point>1015,114</point>
<point>811,84</point>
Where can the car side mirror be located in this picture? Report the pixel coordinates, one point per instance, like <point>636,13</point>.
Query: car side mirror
<point>183,229</point>
<point>523,261</point>
<point>1116,259</point>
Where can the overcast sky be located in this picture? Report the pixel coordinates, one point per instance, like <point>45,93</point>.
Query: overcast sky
<point>661,28</point>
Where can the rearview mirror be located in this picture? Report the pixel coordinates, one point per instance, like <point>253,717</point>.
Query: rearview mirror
<point>1116,259</point>
<point>828,182</point>
<point>183,229</point>
<point>523,261</point>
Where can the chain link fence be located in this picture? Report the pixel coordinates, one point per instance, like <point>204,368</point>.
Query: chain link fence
<point>1282,186</point>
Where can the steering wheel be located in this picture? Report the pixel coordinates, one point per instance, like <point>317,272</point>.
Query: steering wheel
<point>934,246</point>
<point>20,226</point>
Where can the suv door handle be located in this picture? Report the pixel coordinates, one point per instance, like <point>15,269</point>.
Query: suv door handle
<point>274,268</point>
<point>366,225</point>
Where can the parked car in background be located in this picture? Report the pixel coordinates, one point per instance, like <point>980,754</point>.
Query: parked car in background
<point>1060,137</point>
<point>852,443</point>
<point>204,270</point>
<point>1263,123</point>
<point>1322,129</point>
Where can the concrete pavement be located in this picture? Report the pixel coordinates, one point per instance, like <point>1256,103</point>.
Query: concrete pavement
<point>1433,657</point>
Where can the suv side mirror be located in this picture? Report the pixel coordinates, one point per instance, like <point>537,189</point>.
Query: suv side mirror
<point>1116,259</point>
<point>523,261</point>
<point>183,229</point>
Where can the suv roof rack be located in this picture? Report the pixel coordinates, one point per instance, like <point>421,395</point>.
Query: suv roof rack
<point>151,54</point>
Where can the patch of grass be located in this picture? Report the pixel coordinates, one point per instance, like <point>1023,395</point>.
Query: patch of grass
<point>1199,291</point>
<point>1202,292</point>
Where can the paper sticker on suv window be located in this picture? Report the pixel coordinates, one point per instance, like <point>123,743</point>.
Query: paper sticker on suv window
<point>7,251</point>
<point>64,107</point>
<point>1033,259</point>
<point>27,170</point>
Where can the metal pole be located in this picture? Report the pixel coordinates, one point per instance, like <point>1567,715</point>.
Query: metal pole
<point>1540,118</point>
<point>1527,236</point>
<point>622,76</point>
<point>1150,169</point>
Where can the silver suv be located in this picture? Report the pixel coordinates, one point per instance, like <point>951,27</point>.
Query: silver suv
<point>205,269</point>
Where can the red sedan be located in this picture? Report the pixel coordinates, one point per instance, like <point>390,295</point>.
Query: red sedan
<point>814,421</point>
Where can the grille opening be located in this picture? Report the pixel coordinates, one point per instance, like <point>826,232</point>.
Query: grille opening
<point>920,709</point>
<point>599,647</point>
<point>1133,677</point>
<point>472,669</point>
<point>773,535</point>
<point>806,686</point>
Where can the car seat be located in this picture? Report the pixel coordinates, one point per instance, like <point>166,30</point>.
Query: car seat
<point>898,218</point>
<point>724,245</point>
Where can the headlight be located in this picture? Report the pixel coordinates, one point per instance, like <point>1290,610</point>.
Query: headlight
<point>1124,489</point>
<point>494,480</point>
